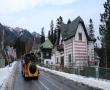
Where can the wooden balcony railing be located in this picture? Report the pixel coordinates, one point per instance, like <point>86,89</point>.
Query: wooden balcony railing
<point>92,63</point>
<point>60,47</point>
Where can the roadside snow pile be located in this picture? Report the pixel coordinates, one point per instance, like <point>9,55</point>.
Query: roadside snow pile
<point>7,74</point>
<point>91,83</point>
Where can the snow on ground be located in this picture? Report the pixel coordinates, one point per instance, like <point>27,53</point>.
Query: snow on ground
<point>80,79</point>
<point>5,73</point>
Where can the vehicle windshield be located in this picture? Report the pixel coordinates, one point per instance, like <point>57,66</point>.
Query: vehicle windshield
<point>29,57</point>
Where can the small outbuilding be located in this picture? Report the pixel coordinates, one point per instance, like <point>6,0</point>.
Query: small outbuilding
<point>45,53</point>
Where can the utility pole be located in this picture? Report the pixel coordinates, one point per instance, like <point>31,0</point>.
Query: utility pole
<point>3,47</point>
<point>2,41</point>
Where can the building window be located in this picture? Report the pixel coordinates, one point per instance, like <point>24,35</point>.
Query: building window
<point>46,62</point>
<point>88,58</point>
<point>62,60</point>
<point>57,59</point>
<point>47,54</point>
<point>51,62</point>
<point>80,36</point>
<point>69,57</point>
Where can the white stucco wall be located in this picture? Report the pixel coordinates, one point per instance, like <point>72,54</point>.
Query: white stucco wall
<point>47,60</point>
<point>77,46</point>
<point>60,39</point>
<point>80,29</point>
<point>90,49</point>
<point>50,61</point>
<point>41,55</point>
<point>53,59</point>
<point>68,49</point>
<point>80,46</point>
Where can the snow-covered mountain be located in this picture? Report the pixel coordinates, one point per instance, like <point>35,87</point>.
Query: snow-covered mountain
<point>36,34</point>
<point>11,34</point>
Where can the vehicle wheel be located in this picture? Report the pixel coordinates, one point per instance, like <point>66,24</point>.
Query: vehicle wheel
<point>36,78</point>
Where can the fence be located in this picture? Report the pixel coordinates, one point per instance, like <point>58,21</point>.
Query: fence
<point>88,71</point>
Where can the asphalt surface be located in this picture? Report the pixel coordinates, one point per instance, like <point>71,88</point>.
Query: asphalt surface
<point>45,81</point>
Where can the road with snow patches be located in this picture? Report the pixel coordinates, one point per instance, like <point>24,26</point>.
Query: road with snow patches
<point>45,81</point>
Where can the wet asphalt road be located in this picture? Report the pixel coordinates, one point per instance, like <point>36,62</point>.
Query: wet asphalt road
<point>45,81</point>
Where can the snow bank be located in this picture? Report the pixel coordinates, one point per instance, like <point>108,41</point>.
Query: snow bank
<point>7,76</point>
<point>91,83</point>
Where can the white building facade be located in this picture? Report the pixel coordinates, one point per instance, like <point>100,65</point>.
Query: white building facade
<point>74,47</point>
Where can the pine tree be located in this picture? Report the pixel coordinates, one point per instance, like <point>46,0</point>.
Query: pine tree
<point>49,35</point>
<point>100,54</point>
<point>60,20</point>
<point>54,37</point>
<point>58,24</point>
<point>51,28</point>
<point>19,45</point>
<point>22,47</point>
<point>104,31</point>
<point>69,21</point>
<point>42,35</point>
<point>91,28</point>
<point>29,44</point>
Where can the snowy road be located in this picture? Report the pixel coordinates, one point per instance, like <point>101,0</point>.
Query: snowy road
<point>46,81</point>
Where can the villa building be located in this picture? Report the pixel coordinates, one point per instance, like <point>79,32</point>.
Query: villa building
<point>74,47</point>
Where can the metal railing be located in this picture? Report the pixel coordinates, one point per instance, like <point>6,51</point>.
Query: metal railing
<point>87,71</point>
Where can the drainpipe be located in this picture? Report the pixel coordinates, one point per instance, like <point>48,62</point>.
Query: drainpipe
<point>72,49</point>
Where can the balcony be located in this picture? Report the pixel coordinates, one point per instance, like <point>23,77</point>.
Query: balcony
<point>60,47</point>
<point>92,63</point>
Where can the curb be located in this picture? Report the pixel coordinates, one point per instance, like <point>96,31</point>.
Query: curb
<point>85,86</point>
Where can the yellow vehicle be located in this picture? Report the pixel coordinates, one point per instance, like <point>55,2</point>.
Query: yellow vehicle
<point>29,68</point>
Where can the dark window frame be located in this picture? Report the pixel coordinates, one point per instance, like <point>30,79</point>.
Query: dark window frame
<point>69,57</point>
<point>57,59</point>
<point>47,62</point>
<point>80,36</point>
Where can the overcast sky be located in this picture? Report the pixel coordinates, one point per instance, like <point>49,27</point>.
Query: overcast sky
<point>35,14</point>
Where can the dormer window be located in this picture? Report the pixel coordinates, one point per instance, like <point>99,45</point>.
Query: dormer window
<point>47,54</point>
<point>80,36</point>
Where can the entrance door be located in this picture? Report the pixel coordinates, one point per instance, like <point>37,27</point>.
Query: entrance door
<point>62,60</point>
